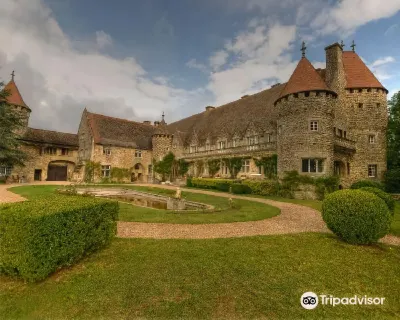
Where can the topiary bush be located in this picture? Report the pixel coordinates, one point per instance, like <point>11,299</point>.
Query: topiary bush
<point>40,236</point>
<point>356,216</point>
<point>367,183</point>
<point>383,195</point>
<point>238,188</point>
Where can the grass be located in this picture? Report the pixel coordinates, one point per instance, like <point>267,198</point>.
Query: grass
<point>248,210</point>
<point>254,277</point>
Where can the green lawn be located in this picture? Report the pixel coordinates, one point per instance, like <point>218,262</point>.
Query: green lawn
<point>248,211</point>
<point>254,277</point>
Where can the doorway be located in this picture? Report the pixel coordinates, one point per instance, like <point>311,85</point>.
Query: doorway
<point>57,173</point>
<point>38,175</point>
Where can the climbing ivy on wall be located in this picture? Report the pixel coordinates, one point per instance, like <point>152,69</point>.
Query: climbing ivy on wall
<point>269,164</point>
<point>213,166</point>
<point>92,169</point>
<point>183,167</point>
<point>165,166</point>
<point>234,165</point>
<point>120,174</point>
<point>199,167</point>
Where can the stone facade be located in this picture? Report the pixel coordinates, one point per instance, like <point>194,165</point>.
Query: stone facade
<point>321,122</point>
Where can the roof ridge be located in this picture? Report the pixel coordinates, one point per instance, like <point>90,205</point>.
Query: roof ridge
<point>52,131</point>
<point>115,118</point>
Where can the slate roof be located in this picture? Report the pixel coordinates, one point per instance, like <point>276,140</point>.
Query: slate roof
<point>254,111</point>
<point>304,78</point>
<point>120,132</point>
<point>50,137</point>
<point>357,73</point>
<point>14,96</point>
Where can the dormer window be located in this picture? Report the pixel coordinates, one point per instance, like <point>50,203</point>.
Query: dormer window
<point>221,145</point>
<point>252,140</point>
<point>235,143</point>
<point>106,151</point>
<point>138,153</point>
<point>193,149</point>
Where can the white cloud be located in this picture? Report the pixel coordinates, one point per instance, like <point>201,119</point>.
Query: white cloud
<point>103,39</point>
<point>193,64</point>
<point>218,59</point>
<point>347,15</point>
<point>57,81</point>
<point>258,60</point>
<point>380,67</point>
<point>382,61</point>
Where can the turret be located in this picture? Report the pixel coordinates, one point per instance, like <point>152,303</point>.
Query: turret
<point>305,114</point>
<point>14,99</point>
<point>161,140</point>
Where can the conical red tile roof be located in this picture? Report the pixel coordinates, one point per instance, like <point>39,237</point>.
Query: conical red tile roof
<point>357,73</point>
<point>304,78</point>
<point>14,96</point>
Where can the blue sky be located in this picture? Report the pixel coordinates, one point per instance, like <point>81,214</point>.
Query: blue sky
<point>135,59</point>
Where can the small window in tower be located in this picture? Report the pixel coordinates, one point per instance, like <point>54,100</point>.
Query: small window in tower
<point>360,105</point>
<point>340,133</point>
<point>314,125</point>
<point>138,153</point>
<point>106,151</point>
<point>372,170</point>
<point>348,168</point>
<point>307,94</point>
<point>359,90</point>
<point>378,105</point>
<point>351,90</point>
<point>317,94</point>
<point>369,90</point>
<point>296,95</point>
<point>344,134</point>
<point>371,138</point>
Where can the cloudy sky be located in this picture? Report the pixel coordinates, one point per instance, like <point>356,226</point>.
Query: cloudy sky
<point>134,59</point>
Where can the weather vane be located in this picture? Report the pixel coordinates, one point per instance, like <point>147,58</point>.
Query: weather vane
<point>353,45</point>
<point>303,49</point>
<point>342,44</point>
<point>12,75</point>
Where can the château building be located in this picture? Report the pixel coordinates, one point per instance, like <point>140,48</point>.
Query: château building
<point>321,122</point>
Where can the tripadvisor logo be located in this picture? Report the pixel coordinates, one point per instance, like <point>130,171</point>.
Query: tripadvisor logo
<point>309,300</point>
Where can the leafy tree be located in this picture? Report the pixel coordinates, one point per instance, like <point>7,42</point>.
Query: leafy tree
<point>213,166</point>
<point>183,167</point>
<point>199,167</point>
<point>10,123</point>
<point>393,133</point>
<point>269,164</point>
<point>165,166</point>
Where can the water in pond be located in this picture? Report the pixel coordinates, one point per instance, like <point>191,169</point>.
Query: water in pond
<point>140,201</point>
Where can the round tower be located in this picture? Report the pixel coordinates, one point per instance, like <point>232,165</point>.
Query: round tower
<point>161,140</point>
<point>305,123</point>
<point>14,99</point>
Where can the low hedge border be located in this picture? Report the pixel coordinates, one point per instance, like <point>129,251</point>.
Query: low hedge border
<point>40,236</point>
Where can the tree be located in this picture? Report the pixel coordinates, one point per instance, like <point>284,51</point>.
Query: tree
<point>213,166</point>
<point>165,166</point>
<point>183,167</point>
<point>10,123</point>
<point>269,164</point>
<point>393,133</point>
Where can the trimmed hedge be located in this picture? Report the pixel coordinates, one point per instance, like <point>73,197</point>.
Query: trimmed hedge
<point>356,216</point>
<point>238,188</point>
<point>211,183</point>
<point>40,236</point>
<point>383,195</point>
<point>263,187</point>
<point>367,183</point>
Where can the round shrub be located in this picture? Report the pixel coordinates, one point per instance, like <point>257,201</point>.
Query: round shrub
<point>356,216</point>
<point>367,183</point>
<point>383,195</point>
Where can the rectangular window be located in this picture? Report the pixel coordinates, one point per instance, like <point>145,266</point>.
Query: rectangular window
<point>345,134</point>
<point>348,168</point>
<point>64,151</point>
<point>312,165</point>
<point>245,166</point>
<point>340,133</point>
<point>50,150</point>
<point>105,171</point>
<point>314,125</point>
<point>224,168</point>
<point>106,151</point>
<point>252,140</point>
<point>5,171</point>
<point>138,153</point>
<point>371,138</point>
<point>221,145</point>
<point>372,170</point>
<point>192,149</point>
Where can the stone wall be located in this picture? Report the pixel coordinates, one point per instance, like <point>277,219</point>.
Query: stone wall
<point>122,157</point>
<point>40,161</point>
<point>86,144</point>
<point>296,140</point>
<point>162,144</point>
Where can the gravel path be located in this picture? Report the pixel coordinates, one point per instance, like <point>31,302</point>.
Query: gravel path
<point>293,219</point>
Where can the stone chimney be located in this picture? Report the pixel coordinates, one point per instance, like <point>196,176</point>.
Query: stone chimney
<point>335,76</point>
<point>156,123</point>
<point>210,108</point>
<point>147,122</point>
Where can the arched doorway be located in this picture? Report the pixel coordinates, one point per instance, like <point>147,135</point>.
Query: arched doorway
<point>137,173</point>
<point>59,170</point>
